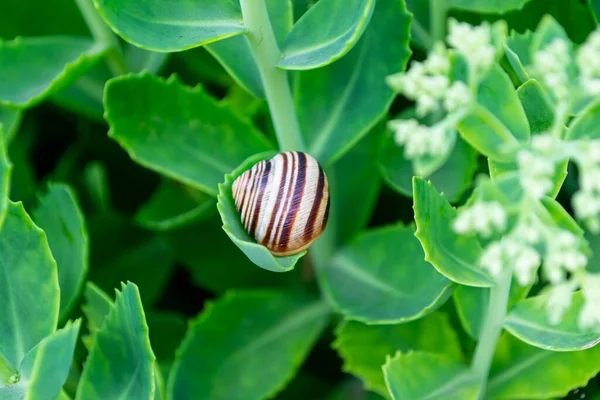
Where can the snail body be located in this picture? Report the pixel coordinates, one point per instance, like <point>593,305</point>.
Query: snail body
<point>283,202</point>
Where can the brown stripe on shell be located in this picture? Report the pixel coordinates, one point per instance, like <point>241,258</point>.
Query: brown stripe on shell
<point>296,202</point>
<point>261,193</point>
<point>283,221</point>
<point>312,218</point>
<point>278,201</point>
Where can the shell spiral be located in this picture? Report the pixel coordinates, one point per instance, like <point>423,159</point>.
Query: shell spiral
<point>283,202</point>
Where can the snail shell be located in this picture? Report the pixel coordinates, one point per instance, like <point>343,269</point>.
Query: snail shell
<point>283,202</point>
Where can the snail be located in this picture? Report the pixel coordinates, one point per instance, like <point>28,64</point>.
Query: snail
<point>283,202</point>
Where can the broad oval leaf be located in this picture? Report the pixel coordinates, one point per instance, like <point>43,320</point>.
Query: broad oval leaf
<point>367,281</point>
<point>529,322</point>
<point>29,281</point>
<point>33,68</point>
<point>333,111</point>
<point>59,215</point>
<point>5,173</point>
<point>123,344</point>
<point>173,26</point>
<point>232,224</point>
<point>434,333</point>
<point>586,125</point>
<point>317,39</point>
<point>487,6</point>
<point>520,371</point>
<point>246,345</point>
<point>455,256</point>
<point>179,131</point>
<point>428,376</point>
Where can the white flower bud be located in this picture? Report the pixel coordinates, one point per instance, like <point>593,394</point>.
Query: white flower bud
<point>457,96</point>
<point>559,301</point>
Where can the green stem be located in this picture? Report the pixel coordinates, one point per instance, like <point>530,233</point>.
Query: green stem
<point>491,328</point>
<point>275,81</point>
<point>102,34</point>
<point>490,119</point>
<point>437,19</point>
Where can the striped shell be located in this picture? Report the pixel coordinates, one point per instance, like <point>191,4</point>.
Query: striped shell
<point>283,202</point>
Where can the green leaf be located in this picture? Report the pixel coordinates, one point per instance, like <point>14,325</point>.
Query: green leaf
<point>195,140</point>
<point>364,348</point>
<point>5,174</point>
<point>368,282</point>
<point>453,178</point>
<point>317,39</point>
<point>45,368</point>
<point>173,205</point>
<point>420,25</point>
<point>10,119</point>
<point>123,344</point>
<point>429,376</point>
<point>95,180</point>
<point>232,224</point>
<point>352,389</point>
<point>487,6</point>
<point>333,111</point>
<point>96,308</point>
<point>585,125</point>
<point>23,180</point>
<point>59,215</point>
<point>497,94</point>
<point>246,345</point>
<point>520,371</point>
<point>529,322</point>
<point>34,68</point>
<point>29,281</point>
<point>176,26</point>
<point>455,256</point>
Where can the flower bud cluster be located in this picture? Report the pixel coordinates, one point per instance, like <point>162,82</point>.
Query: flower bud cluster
<point>474,43</point>
<point>588,62</point>
<point>551,63</point>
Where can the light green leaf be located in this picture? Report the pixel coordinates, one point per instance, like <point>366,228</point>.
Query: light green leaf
<point>173,205</point>
<point>420,25</point>
<point>455,256</point>
<point>232,224</point>
<point>121,362</point>
<point>317,39</point>
<point>529,322</point>
<point>520,371</point>
<point>45,368</point>
<point>59,215</point>
<point>185,134</point>
<point>367,281</point>
<point>29,281</point>
<point>429,376</point>
<point>364,348</point>
<point>547,30</point>
<point>96,308</point>
<point>487,6</point>
<point>33,68</point>
<point>173,26</point>
<point>586,125</point>
<point>5,174</point>
<point>333,111</point>
<point>10,119</point>
<point>246,345</point>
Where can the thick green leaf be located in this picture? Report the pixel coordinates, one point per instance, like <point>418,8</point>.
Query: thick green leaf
<point>30,294</point>
<point>173,205</point>
<point>367,281</point>
<point>96,308</point>
<point>364,348</point>
<point>420,25</point>
<point>23,179</point>
<point>178,25</point>
<point>455,256</point>
<point>33,68</point>
<point>586,125</point>
<point>333,111</point>
<point>121,362</point>
<point>317,39</point>
<point>179,131</point>
<point>453,178</point>
<point>429,376</point>
<point>487,6</point>
<point>232,224</point>
<point>247,345</point>
<point>45,368</point>
<point>520,371</point>
<point>10,119</point>
<point>59,215</point>
<point>5,174</point>
<point>529,322</point>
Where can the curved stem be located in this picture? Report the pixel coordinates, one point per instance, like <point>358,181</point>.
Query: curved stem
<point>437,19</point>
<point>490,119</point>
<point>275,81</point>
<point>492,328</point>
<point>103,34</point>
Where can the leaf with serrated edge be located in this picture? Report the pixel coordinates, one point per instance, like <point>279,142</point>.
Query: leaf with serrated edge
<point>122,342</point>
<point>59,215</point>
<point>29,281</point>
<point>434,333</point>
<point>455,256</point>
<point>367,281</point>
<point>333,111</point>
<point>96,307</point>
<point>174,26</point>
<point>179,131</point>
<point>246,345</point>
<point>232,224</point>
<point>317,39</point>
<point>35,67</point>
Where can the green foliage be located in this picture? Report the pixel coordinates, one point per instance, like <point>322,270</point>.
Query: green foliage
<point>5,172</point>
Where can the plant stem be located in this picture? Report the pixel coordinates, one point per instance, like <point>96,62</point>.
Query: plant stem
<point>490,119</point>
<point>437,19</point>
<point>492,328</point>
<point>275,81</point>
<point>102,34</point>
